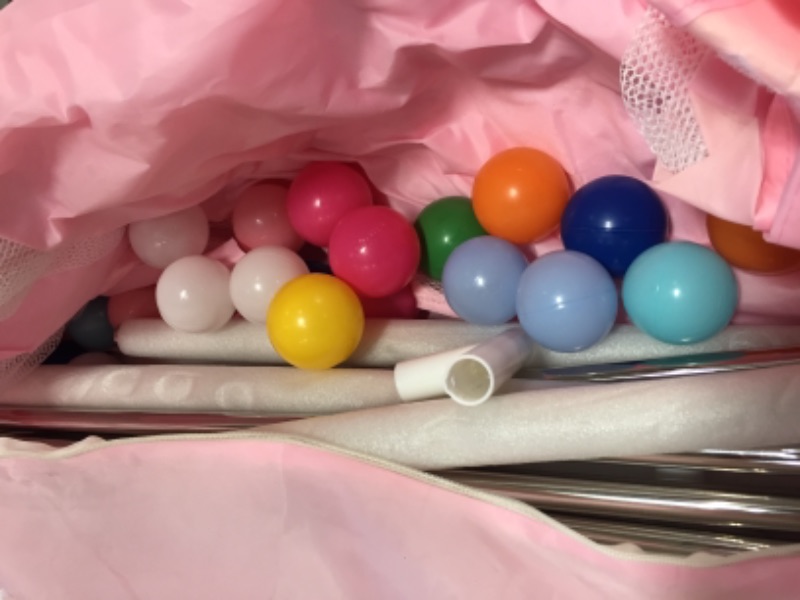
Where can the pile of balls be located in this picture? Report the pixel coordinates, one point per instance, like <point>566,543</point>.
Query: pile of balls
<point>314,320</point>
<point>614,231</point>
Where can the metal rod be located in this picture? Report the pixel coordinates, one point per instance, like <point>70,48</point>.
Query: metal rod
<point>673,366</point>
<point>133,423</point>
<point>629,501</point>
<point>664,539</point>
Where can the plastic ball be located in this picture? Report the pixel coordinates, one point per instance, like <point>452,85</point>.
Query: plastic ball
<point>442,226</point>
<point>315,321</point>
<point>161,241</point>
<point>90,328</point>
<point>260,218</point>
<point>519,195</point>
<point>567,301</point>
<point>321,194</point>
<point>614,219</point>
<point>480,280</point>
<point>375,250</point>
<point>192,295</point>
<point>400,305</point>
<point>258,276</point>
<point>680,293</point>
<point>746,248</point>
<point>134,304</point>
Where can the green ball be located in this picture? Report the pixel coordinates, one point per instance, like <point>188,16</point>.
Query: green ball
<point>443,226</point>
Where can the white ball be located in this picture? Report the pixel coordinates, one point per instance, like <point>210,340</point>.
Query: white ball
<point>192,295</point>
<point>160,242</point>
<point>259,275</point>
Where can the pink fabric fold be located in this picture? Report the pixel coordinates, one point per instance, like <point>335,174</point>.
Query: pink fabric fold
<point>253,519</point>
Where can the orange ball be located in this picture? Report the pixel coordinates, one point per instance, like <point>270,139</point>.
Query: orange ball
<point>519,195</point>
<point>746,249</point>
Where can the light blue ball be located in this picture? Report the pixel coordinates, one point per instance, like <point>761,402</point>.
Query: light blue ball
<point>680,293</point>
<point>567,301</point>
<point>480,280</point>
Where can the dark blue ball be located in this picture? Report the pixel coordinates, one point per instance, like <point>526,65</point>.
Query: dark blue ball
<point>90,328</point>
<point>614,219</point>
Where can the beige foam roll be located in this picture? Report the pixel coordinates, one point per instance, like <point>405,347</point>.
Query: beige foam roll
<point>737,410</point>
<point>388,342</point>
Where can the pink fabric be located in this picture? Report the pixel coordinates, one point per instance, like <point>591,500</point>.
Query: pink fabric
<point>269,519</point>
<point>110,113</point>
<point>761,39</point>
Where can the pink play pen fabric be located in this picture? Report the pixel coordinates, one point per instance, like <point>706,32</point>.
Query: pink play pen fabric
<point>273,519</point>
<point>111,112</point>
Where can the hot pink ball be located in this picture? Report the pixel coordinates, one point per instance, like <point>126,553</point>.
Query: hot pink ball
<point>260,218</point>
<point>374,249</point>
<point>321,194</point>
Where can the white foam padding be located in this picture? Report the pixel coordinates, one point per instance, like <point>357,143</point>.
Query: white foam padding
<point>737,410</point>
<point>203,388</point>
<point>388,342</point>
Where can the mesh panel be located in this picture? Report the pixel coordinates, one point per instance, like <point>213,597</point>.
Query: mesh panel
<point>655,74</point>
<point>19,366</point>
<point>22,266</point>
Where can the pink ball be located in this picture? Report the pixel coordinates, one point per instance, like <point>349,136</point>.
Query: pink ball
<point>161,241</point>
<point>400,305</point>
<point>260,218</point>
<point>321,194</point>
<point>375,250</point>
<point>135,304</point>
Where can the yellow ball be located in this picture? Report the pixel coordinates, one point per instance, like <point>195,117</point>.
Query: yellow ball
<point>315,321</point>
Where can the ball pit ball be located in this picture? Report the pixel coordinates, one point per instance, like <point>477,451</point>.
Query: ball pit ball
<point>161,241</point>
<point>375,250</point>
<point>315,321</point>
<point>192,295</point>
<point>480,280</point>
<point>614,219</point>
<point>134,304</point>
<point>746,249</point>
<point>567,301</point>
<point>258,276</point>
<point>519,195</point>
<point>320,195</point>
<point>90,328</point>
<point>442,226</point>
<point>680,293</point>
<point>400,305</point>
<point>260,218</point>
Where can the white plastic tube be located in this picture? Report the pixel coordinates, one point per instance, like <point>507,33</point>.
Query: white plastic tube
<point>474,376</point>
<point>424,378</point>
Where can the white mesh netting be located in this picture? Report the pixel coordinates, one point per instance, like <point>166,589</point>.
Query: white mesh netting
<point>22,267</point>
<point>655,74</point>
<point>21,365</point>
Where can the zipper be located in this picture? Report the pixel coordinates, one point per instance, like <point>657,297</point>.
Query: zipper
<point>700,560</point>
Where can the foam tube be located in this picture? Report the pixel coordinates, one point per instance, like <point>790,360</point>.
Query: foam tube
<point>202,388</point>
<point>384,343</point>
<point>474,376</point>
<point>387,342</point>
<point>737,410</point>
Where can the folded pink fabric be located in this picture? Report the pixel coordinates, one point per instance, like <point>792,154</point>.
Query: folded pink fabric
<point>272,519</point>
<point>110,114</point>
